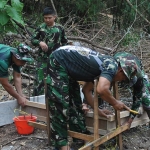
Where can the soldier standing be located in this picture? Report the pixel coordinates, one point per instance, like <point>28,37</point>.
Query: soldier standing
<point>48,37</point>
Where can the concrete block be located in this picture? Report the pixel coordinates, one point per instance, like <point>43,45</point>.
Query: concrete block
<point>7,111</point>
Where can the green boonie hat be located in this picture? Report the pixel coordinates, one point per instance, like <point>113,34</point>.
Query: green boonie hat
<point>22,53</point>
<point>129,66</point>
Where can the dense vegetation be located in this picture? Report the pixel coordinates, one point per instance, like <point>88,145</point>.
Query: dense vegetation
<point>128,18</point>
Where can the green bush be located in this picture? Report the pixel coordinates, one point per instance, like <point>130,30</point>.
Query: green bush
<point>10,12</point>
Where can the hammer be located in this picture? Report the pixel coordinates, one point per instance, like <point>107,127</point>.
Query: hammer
<point>134,112</point>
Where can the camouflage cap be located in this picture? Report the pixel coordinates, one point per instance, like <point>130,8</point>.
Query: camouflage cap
<point>129,66</point>
<point>22,52</point>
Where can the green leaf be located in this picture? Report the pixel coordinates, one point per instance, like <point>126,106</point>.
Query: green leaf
<point>16,4</point>
<point>14,14</point>
<point>4,17</point>
<point>11,28</point>
<point>7,28</point>
<point>3,3</point>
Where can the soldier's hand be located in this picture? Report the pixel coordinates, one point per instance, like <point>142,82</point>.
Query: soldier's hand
<point>120,106</point>
<point>104,113</point>
<point>85,108</point>
<point>43,46</point>
<point>22,101</point>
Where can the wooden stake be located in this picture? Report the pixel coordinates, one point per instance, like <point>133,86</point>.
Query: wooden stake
<point>96,117</point>
<point>117,115</point>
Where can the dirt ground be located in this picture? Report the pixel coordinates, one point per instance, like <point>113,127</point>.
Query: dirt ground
<point>134,139</point>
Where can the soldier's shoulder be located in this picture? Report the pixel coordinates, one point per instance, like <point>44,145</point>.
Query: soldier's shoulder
<point>59,25</point>
<point>3,46</point>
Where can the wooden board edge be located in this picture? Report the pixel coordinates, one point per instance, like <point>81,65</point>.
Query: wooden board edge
<point>36,105</point>
<point>37,125</point>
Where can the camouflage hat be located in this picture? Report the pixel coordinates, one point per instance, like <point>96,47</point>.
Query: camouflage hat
<point>22,53</point>
<point>129,66</point>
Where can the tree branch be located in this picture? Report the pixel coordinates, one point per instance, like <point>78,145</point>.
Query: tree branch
<point>89,42</point>
<point>53,6</point>
<point>137,11</point>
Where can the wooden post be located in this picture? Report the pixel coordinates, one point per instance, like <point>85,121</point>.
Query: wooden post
<point>96,116</point>
<point>117,116</point>
<point>47,112</point>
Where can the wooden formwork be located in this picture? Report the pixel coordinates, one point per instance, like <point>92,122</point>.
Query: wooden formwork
<point>109,128</point>
<point>107,125</point>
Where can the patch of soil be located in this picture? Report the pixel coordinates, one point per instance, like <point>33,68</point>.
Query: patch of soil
<point>134,139</point>
<point>11,140</point>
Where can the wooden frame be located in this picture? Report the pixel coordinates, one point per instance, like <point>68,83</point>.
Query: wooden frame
<point>99,126</point>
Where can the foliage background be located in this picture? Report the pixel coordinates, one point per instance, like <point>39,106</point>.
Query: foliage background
<point>104,25</point>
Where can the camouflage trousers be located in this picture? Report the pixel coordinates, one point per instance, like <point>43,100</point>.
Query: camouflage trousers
<point>141,90</point>
<point>146,93</point>
<point>40,76</point>
<point>65,103</point>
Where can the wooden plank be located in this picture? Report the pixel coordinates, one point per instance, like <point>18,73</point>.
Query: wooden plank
<point>41,118</point>
<point>96,117</point>
<point>111,125</point>
<point>36,105</point>
<point>91,115</point>
<point>77,135</point>
<point>102,123</point>
<point>70,133</point>
<point>139,122</point>
<point>105,138</point>
<point>117,115</point>
<point>112,117</point>
<point>38,125</point>
<point>7,111</point>
<point>34,110</point>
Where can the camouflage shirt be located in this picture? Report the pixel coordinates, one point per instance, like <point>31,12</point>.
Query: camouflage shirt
<point>54,37</point>
<point>6,61</point>
<point>84,64</point>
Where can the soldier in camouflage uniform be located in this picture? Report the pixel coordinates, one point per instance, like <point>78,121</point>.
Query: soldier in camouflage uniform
<point>66,66</point>
<point>48,36</point>
<point>141,87</point>
<point>15,57</point>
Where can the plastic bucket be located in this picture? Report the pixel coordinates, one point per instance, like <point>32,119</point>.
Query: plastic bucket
<point>21,123</point>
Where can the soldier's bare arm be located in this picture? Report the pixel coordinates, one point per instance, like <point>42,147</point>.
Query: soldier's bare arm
<point>103,89</point>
